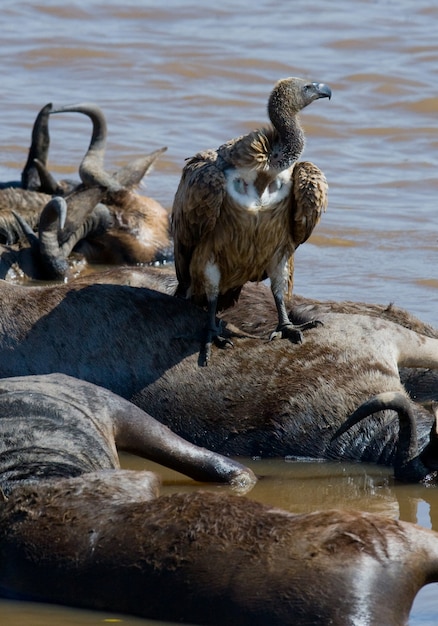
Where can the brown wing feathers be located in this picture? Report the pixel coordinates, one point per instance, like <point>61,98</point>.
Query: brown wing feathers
<point>309,200</point>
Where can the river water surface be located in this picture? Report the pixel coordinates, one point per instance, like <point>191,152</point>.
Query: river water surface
<point>190,75</point>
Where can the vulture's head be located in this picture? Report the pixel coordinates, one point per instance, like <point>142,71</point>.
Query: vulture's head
<point>290,95</point>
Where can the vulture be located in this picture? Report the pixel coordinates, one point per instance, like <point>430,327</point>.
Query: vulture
<point>240,212</point>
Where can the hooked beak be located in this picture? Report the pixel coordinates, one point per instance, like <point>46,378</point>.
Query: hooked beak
<point>323,90</point>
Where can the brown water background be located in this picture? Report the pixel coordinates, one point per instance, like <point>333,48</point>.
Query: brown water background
<point>190,75</point>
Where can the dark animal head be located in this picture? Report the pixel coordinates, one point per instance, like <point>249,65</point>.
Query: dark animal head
<point>58,235</point>
<point>409,464</point>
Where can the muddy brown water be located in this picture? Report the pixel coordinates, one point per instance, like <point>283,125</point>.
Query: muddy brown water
<point>190,75</point>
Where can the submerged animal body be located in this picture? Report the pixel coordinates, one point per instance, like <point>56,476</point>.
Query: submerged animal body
<point>206,558</point>
<point>276,400</point>
<point>75,529</point>
<point>240,212</point>
<point>57,426</point>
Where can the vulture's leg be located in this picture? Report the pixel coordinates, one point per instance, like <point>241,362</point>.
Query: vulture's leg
<point>212,334</point>
<point>213,328</point>
<point>286,329</point>
<point>280,275</point>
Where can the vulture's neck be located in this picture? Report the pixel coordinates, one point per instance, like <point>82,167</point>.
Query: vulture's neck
<point>285,150</point>
<point>289,144</point>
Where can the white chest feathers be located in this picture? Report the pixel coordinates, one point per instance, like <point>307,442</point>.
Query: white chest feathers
<point>240,186</point>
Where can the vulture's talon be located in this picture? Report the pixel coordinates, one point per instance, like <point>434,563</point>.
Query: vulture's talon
<point>310,324</point>
<point>212,336</point>
<point>292,332</point>
<point>288,331</point>
<point>223,342</point>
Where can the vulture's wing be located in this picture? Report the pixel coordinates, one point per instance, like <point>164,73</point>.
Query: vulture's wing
<point>309,200</point>
<point>196,208</point>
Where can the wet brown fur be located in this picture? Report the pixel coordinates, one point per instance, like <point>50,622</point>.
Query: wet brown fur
<point>208,558</point>
<point>154,558</point>
<point>139,232</point>
<point>27,203</point>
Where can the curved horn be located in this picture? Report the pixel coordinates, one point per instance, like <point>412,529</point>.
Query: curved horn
<point>407,464</point>
<point>86,216</point>
<point>39,149</point>
<point>53,215</point>
<point>52,219</point>
<point>50,185</point>
<point>91,169</point>
<point>99,220</point>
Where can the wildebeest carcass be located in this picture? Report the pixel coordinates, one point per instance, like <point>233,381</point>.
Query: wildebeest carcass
<point>269,399</point>
<point>77,530</point>
<point>137,230</point>
<point>55,426</point>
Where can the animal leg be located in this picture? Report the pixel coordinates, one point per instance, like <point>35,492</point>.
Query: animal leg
<point>212,334</point>
<point>281,276</point>
<point>139,433</point>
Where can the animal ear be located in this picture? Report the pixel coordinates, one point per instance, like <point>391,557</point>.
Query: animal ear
<point>132,174</point>
<point>82,203</point>
<point>27,231</point>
